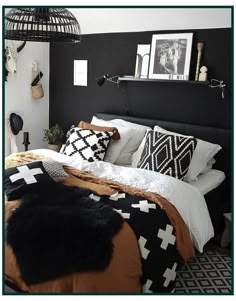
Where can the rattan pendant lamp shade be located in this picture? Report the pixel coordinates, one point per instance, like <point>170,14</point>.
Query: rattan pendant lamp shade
<point>42,25</point>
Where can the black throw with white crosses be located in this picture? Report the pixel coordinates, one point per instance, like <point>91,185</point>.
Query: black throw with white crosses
<point>152,227</point>
<point>156,238</point>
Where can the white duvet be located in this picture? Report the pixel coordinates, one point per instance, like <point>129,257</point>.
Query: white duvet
<point>187,199</point>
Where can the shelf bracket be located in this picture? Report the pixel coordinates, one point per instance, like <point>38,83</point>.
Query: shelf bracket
<point>215,83</point>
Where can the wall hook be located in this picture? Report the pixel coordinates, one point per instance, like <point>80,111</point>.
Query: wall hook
<point>21,46</point>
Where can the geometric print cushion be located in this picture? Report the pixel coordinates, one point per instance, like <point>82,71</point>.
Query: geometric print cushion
<point>61,151</point>
<point>90,145</point>
<point>167,154</point>
<point>18,179</point>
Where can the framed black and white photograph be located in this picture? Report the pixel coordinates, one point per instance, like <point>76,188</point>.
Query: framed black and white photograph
<point>170,56</point>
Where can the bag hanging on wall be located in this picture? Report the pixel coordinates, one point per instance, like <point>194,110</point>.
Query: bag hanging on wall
<point>37,91</point>
<point>36,88</point>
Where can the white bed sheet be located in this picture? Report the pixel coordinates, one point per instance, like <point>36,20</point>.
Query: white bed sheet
<point>187,199</point>
<point>205,182</point>
<point>208,181</point>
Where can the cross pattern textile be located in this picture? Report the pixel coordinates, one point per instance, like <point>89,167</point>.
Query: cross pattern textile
<point>22,178</point>
<point>144,206</point>
<point>153,230</point>
<point>170,275</point>
<point>28,175</point>
<point>166,236</point>
<point>167,154</point>
<point>90,145</point>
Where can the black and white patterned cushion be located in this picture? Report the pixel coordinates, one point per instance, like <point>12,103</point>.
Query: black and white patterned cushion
<point>67,136</point>
<point>90,145</point>
<point>167,154</point>
<point>18,179</point>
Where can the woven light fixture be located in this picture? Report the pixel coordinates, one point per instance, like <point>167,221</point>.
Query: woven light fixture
<point>42,24</point>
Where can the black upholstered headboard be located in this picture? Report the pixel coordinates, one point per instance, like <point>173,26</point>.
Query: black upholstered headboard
<point>220,136</point>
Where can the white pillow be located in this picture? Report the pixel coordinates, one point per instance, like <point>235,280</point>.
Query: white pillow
<point>138,132</point>
<point>115,146</point>
<point>203,153</point>
<point>137,155</point>
<point>209,166</point>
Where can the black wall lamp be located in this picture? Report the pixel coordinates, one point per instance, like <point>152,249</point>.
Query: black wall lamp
<point>112,79</point>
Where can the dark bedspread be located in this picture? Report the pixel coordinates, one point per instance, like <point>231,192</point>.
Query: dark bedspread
<point>160,232</point>
<point>156,238</point>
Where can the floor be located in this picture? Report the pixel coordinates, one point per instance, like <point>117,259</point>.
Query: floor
<point>208,273</point>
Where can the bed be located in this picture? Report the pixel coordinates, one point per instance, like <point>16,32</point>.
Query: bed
<point>218,199</point>
<point>130,267</point>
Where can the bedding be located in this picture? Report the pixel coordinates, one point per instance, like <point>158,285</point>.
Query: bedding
<point>133,143</point>
<point>209,166</point>
<point>208,181</point>
<point>187,199</point>
<point>89,126</point>
<point>76,232</point>
<point>115,147</point>
<point>202,160</point>
<point>17,179</point>
<point>132,264</point>
<point>136,156</point>
<point>87,144</point>
<point>167,154</point>
<point>204,152</point>
<point>218,200</point>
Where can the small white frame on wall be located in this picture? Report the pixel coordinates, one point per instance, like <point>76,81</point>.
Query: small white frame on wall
<point>170,56</point>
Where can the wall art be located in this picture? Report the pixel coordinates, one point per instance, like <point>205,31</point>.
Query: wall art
<point>170,56</point>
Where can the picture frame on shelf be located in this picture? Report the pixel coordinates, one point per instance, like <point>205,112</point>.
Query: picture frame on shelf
<point>142,60</point>
<point>170,56</point>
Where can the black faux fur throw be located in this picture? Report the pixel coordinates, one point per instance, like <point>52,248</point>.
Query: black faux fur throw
<point>58,230</point>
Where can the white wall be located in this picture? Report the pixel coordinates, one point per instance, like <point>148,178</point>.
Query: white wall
<point>102,20</point>
<point>35,113</point>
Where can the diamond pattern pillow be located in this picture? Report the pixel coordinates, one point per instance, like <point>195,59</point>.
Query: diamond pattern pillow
<point>90,145</point>
<point>167,154</point>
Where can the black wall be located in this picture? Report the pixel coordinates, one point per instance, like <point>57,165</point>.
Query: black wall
<point>115,53</point>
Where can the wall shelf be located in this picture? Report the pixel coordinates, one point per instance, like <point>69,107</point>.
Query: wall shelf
<point>132,78</point>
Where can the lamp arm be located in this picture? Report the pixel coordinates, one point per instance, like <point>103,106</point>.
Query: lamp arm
<point>111,79</point>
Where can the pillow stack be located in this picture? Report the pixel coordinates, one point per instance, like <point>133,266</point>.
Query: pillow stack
<point>131,134</point>
<point>138,132</point>
<point>201,161</point>
<point>130,144</point>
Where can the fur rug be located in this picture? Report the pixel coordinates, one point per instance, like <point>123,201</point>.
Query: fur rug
<point>58,230</point>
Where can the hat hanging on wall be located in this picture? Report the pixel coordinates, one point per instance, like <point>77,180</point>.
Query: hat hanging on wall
<point>42,24</point>
<point>16,123</point>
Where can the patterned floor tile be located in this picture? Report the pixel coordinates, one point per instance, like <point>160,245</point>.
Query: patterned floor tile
<point>208,273</point>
